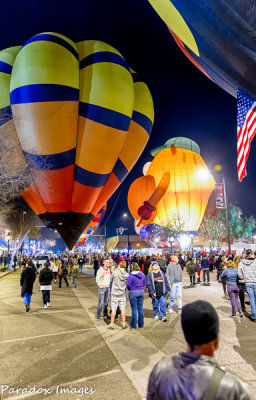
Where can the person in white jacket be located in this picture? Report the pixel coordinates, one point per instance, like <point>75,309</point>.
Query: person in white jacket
<point>103,282</point>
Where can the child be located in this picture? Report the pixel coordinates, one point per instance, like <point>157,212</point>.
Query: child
<point>158,288</point>
<point>74,275</point>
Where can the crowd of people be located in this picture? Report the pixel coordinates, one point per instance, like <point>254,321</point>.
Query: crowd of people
<point>161,275</point>
<point>174,377</point>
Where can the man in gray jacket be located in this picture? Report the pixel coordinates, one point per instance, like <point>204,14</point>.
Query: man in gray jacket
<point>195,374</point>
<point>175,280</point>
<point>118,299</point>
<point>247,273</point>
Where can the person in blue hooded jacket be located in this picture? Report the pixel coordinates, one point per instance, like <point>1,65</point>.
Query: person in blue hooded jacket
<point>158,288</point>
<point>135,284</point>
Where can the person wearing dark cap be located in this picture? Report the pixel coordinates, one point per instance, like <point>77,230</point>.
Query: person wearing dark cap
<point>195,374</point>
<point>247,274</point>
<point>45,280</point>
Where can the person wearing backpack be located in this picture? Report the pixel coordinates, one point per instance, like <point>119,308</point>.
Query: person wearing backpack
<point>195,374</point>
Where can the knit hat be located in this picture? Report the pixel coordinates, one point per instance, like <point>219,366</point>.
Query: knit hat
<point>154,263</point>
<point>200,322</point>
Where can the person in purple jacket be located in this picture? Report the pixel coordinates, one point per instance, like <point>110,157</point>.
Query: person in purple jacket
<point>135,284</point>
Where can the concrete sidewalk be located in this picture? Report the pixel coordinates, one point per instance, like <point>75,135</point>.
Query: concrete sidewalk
<point>137,352</point>
<point>64,346</point>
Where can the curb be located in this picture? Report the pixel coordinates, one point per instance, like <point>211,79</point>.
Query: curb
<point>9,272</point>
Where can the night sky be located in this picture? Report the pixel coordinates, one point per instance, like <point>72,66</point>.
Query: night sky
<point>186,102</point>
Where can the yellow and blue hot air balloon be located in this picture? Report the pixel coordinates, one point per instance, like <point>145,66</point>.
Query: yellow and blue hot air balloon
<point>82,122</point>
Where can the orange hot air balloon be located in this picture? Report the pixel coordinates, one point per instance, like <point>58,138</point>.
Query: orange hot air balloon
<point>182,186</point>
<point>82,119</point>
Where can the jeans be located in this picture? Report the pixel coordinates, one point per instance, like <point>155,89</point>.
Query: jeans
<point>233,292</point>
<point>104,296</point>
<point>55,275</point>
<point>251,291</point>
<point>46,296</point>
<point>192,279</point>
<point>74,281</point>
<point>65,279</point>
<point>176,290</point>
<point>136,298</point>
<point>159,302</point>
<point>27,299</point>
<point>206,272</point>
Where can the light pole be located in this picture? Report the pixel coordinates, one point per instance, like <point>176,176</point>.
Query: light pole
<point>203,174</point>
<point>125,215</point>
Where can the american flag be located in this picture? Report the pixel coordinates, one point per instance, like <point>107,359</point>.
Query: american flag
<point>246,129</point>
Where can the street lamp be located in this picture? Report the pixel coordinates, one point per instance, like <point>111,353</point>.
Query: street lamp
<point>125,215</point>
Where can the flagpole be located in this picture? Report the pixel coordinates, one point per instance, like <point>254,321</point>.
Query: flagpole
<point>226,209</point>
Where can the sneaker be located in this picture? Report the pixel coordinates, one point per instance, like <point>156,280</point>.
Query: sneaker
<point>164,319</point>
<point>111,326</point>
<point>45,306</point>
<point>107,316</point>
<point>241,315</point>
<point>233,315</point>
<point>156,318</point>
<point>27,308</point>
<point>97,318</point>
<point>170,310</point>
<point>48,304</point>
<point>124,325</point>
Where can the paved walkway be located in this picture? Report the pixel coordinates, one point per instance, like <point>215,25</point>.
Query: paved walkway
<point>64,348</point>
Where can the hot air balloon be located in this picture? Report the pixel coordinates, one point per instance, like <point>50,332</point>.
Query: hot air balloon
<point>180,185</point>
<point>92,226</point>
<point>219,38</point>
<point>82,122</point>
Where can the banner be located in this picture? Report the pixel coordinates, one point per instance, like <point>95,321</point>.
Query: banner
<point>219,193</point>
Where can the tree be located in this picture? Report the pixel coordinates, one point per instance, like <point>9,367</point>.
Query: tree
<point>172,225</point>
<point>213,229</point>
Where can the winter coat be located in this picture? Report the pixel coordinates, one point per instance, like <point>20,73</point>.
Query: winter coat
<point>186,376</point>
<point>64,268</point>
<point>74,271</point>
<point>247,270</point>
<point>27,280</point>
<point>151,284</point>
<point>231,276</point>
<point>205,264</point>
<point>119,281</point>
<point>191,268</point>
<point>45,277</point>
<point>147,264</point>
<point>136,281</point>
<point>174,273</point>
<point>162,264</point>
<point>103,277</point>
<point>221,266</point>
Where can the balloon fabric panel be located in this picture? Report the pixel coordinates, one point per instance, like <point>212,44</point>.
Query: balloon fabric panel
<point>224,36</point>
<point>77,113</point>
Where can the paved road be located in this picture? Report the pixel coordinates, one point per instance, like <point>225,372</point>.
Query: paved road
<point>64,348</point>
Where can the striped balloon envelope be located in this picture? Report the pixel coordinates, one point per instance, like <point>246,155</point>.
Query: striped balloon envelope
<point>82,118</point>
<point>92,226</point>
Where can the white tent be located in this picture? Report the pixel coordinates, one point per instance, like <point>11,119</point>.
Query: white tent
<point>240,246</point>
